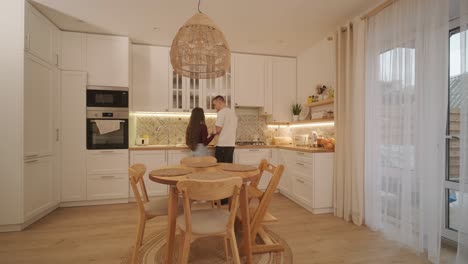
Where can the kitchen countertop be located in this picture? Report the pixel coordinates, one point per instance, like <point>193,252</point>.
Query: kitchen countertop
<point>183,147</point>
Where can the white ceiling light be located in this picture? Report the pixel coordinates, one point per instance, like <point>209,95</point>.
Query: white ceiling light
<point>200,50</point>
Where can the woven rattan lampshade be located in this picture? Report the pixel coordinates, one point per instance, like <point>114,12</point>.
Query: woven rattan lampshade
<point>199,50</point>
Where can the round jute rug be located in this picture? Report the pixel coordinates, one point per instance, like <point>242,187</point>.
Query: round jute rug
<point>203,251</point>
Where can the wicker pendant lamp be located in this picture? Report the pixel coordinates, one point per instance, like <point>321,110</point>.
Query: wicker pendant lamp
<point>199,50</point>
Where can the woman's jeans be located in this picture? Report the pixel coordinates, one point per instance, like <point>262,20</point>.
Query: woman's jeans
<point>200,151</point>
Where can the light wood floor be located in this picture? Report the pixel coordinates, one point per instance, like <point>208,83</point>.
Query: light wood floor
<point>103,234</point>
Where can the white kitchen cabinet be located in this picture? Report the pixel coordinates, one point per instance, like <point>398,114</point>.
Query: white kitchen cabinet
<point>73,51</point>
<point>214,87</point>
<point>150,79</point>
<point>39,81</point>
<point>249,84</point>
<point>323,181</point>
<point>283,87</point>
<point>106,161</point>
<point>73,136</point>
<point>308,179</point>
<point>174,156</point>
<point>253,157</point>
<point>38,186</point>
<point>286,157</point>
<point>107,186</point>
<point>41,35</point>
<point>107,174</point>
<point>107,60</point>
<point>152,159</point>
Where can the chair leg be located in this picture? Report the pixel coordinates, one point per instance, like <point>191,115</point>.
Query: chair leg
<point>185,248</point>
<point>235,252</point>
<point>139,238</point>
<point>226,248</point>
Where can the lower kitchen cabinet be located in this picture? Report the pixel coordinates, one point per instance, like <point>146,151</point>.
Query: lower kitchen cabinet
<point>285,157</point>
<point>308,179</point>
<point>107,174</point>
<point>152,159</point>
<point>107,186</point>
<point>38,186</point>
<point>253,157</point>
<point>175,156</point>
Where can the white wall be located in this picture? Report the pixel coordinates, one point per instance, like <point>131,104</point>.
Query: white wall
<point>316,66</point>
<point>11,111</point>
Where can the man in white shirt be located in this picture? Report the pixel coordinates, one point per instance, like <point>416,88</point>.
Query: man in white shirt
<point>226,126</point>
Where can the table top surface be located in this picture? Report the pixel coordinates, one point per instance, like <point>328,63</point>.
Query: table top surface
<point>247,176</point>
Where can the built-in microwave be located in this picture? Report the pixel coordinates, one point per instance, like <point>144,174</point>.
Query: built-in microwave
<point>106,98</point>
<point>107,129</point>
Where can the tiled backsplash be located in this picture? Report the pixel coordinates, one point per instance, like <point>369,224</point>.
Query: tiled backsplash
<point>171,130</point>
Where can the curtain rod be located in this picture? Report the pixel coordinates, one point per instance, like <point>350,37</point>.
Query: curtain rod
<point>377,9</point>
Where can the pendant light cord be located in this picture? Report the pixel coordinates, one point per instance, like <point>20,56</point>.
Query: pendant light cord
<point>199,7</point>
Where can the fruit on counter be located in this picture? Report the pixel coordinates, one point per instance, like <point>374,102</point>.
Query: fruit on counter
<point>329,146</point>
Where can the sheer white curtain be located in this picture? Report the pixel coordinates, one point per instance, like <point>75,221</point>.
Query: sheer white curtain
<point>462,252</point>
<point>406,112</point>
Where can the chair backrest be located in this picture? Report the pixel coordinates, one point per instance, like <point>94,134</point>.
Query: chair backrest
<point>262,167</point>
<point>188,160</point>
<point>210,190</point>
<point>135,175</point>
<point>265,199</point>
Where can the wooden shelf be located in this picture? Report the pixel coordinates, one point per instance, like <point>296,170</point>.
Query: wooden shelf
<point>303,122</point>
<point>324,102</point>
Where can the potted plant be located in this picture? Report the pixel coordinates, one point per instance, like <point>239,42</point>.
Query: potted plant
<point>296,109</point>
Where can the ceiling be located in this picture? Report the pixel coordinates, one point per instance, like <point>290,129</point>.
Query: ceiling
<point>276,27</point>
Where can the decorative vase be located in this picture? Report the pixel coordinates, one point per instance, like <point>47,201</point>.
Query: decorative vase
<point>295,117</point>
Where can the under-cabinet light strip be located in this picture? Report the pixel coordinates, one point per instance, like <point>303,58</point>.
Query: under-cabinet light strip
<point>319,124</point>
<point>169,114</point>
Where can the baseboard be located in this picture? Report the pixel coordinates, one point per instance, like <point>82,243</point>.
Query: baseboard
<point>10,228</point>
<point>322,210</point>
<point>38,216</point>
<point>95,202</point>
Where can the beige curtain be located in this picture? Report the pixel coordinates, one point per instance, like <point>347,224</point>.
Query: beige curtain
<point>349,122</point>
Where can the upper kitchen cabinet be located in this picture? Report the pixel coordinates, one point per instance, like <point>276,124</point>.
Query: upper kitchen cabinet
<point>107,60</point>
<point>39,84</point>
<point>150,78</point>
<point>249,74</point>
<point>41,36</point>
<point>184,93</point>
<point>283,87</point>
<point>73,50</point>
<point>214,87</point>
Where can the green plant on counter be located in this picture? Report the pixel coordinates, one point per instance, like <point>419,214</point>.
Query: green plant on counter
<point>296,109</point>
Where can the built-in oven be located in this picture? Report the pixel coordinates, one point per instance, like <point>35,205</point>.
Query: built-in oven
<point>107,128</point>
<point>106,97</point>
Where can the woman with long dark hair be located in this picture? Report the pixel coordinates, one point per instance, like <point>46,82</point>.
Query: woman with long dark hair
<point>196,136</point>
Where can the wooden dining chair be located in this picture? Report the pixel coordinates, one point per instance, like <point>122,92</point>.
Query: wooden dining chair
<point>212,221</point>
<point>259,214</point>
<point>188,160</point>
<point>146,209</point>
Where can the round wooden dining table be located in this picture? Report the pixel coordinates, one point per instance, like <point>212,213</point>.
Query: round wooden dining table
<point>171,181</point>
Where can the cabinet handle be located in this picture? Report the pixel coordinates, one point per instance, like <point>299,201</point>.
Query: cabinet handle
<point>57,135</point>
<point>32,161</point>
<point>302,164</point>
<point>300,153</point>
<point>107,151</point>
<point>299,180</point>
<point>56,60</point>
<point>254,150</point>
<point>31,156</point>
<point>107,176</point>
